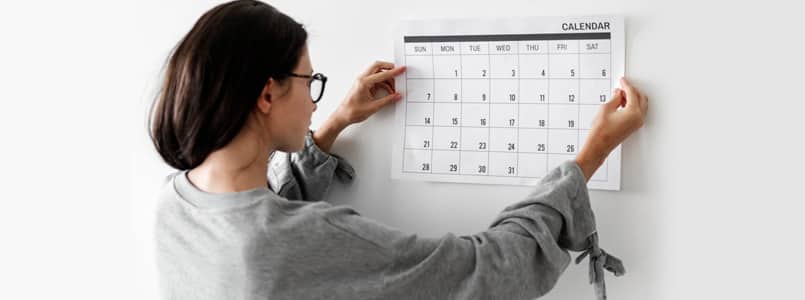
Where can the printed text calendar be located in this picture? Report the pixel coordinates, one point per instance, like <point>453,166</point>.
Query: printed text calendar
<point>503,101</point>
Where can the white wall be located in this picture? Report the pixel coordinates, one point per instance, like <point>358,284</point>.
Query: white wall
<point>710,203</point>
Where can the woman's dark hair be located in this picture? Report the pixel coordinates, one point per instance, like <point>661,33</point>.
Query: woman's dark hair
<point>216,74</point>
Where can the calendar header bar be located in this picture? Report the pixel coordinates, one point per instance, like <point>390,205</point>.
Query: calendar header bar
<point>507,37</point>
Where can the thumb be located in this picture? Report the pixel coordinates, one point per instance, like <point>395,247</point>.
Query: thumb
<point>614,102</point>
<point>632,95</point>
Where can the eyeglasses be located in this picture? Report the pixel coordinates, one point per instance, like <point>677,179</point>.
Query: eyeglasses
<point>316,84</point>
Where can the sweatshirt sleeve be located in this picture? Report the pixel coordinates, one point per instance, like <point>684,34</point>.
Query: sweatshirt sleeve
<point>307,174</point>
<point>520,256</point>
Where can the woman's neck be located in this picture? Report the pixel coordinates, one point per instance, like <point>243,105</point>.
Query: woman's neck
<point>239,166</point>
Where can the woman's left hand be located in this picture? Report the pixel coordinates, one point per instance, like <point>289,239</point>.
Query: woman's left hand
<point>363,100</point>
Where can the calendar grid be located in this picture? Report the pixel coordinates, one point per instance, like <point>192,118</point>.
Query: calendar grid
<point>502,103</point>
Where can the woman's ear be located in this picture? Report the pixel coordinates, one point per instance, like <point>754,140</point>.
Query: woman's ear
<point>264,102</point>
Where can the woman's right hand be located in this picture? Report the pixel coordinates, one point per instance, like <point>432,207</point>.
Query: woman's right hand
<point>361,102</point>
<point>612,125</point>
<point>363,99</point>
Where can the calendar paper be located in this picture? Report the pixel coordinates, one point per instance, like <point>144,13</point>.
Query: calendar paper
<point>503,101</point>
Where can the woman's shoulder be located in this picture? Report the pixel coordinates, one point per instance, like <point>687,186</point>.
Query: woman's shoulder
<point>308,209</point>
<point>166,193</point>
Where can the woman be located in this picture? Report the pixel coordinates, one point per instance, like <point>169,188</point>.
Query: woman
<point>241,219</point>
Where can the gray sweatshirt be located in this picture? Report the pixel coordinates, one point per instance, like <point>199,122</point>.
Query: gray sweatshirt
<point>282,242</point>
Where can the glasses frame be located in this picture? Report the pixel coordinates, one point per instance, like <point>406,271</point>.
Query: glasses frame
<point>314,77</point>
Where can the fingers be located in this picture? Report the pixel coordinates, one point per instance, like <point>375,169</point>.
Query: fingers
<point>386,86</point>
<point>382,102</point>
<point>616,100</point>
<point>385,75</point>
<point>636,103</point>
<point>633,97</point>
<point>644,103</point>
<point>377,66</point>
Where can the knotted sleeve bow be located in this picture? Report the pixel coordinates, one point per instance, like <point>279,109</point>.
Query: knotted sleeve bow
<point>600,260</point>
